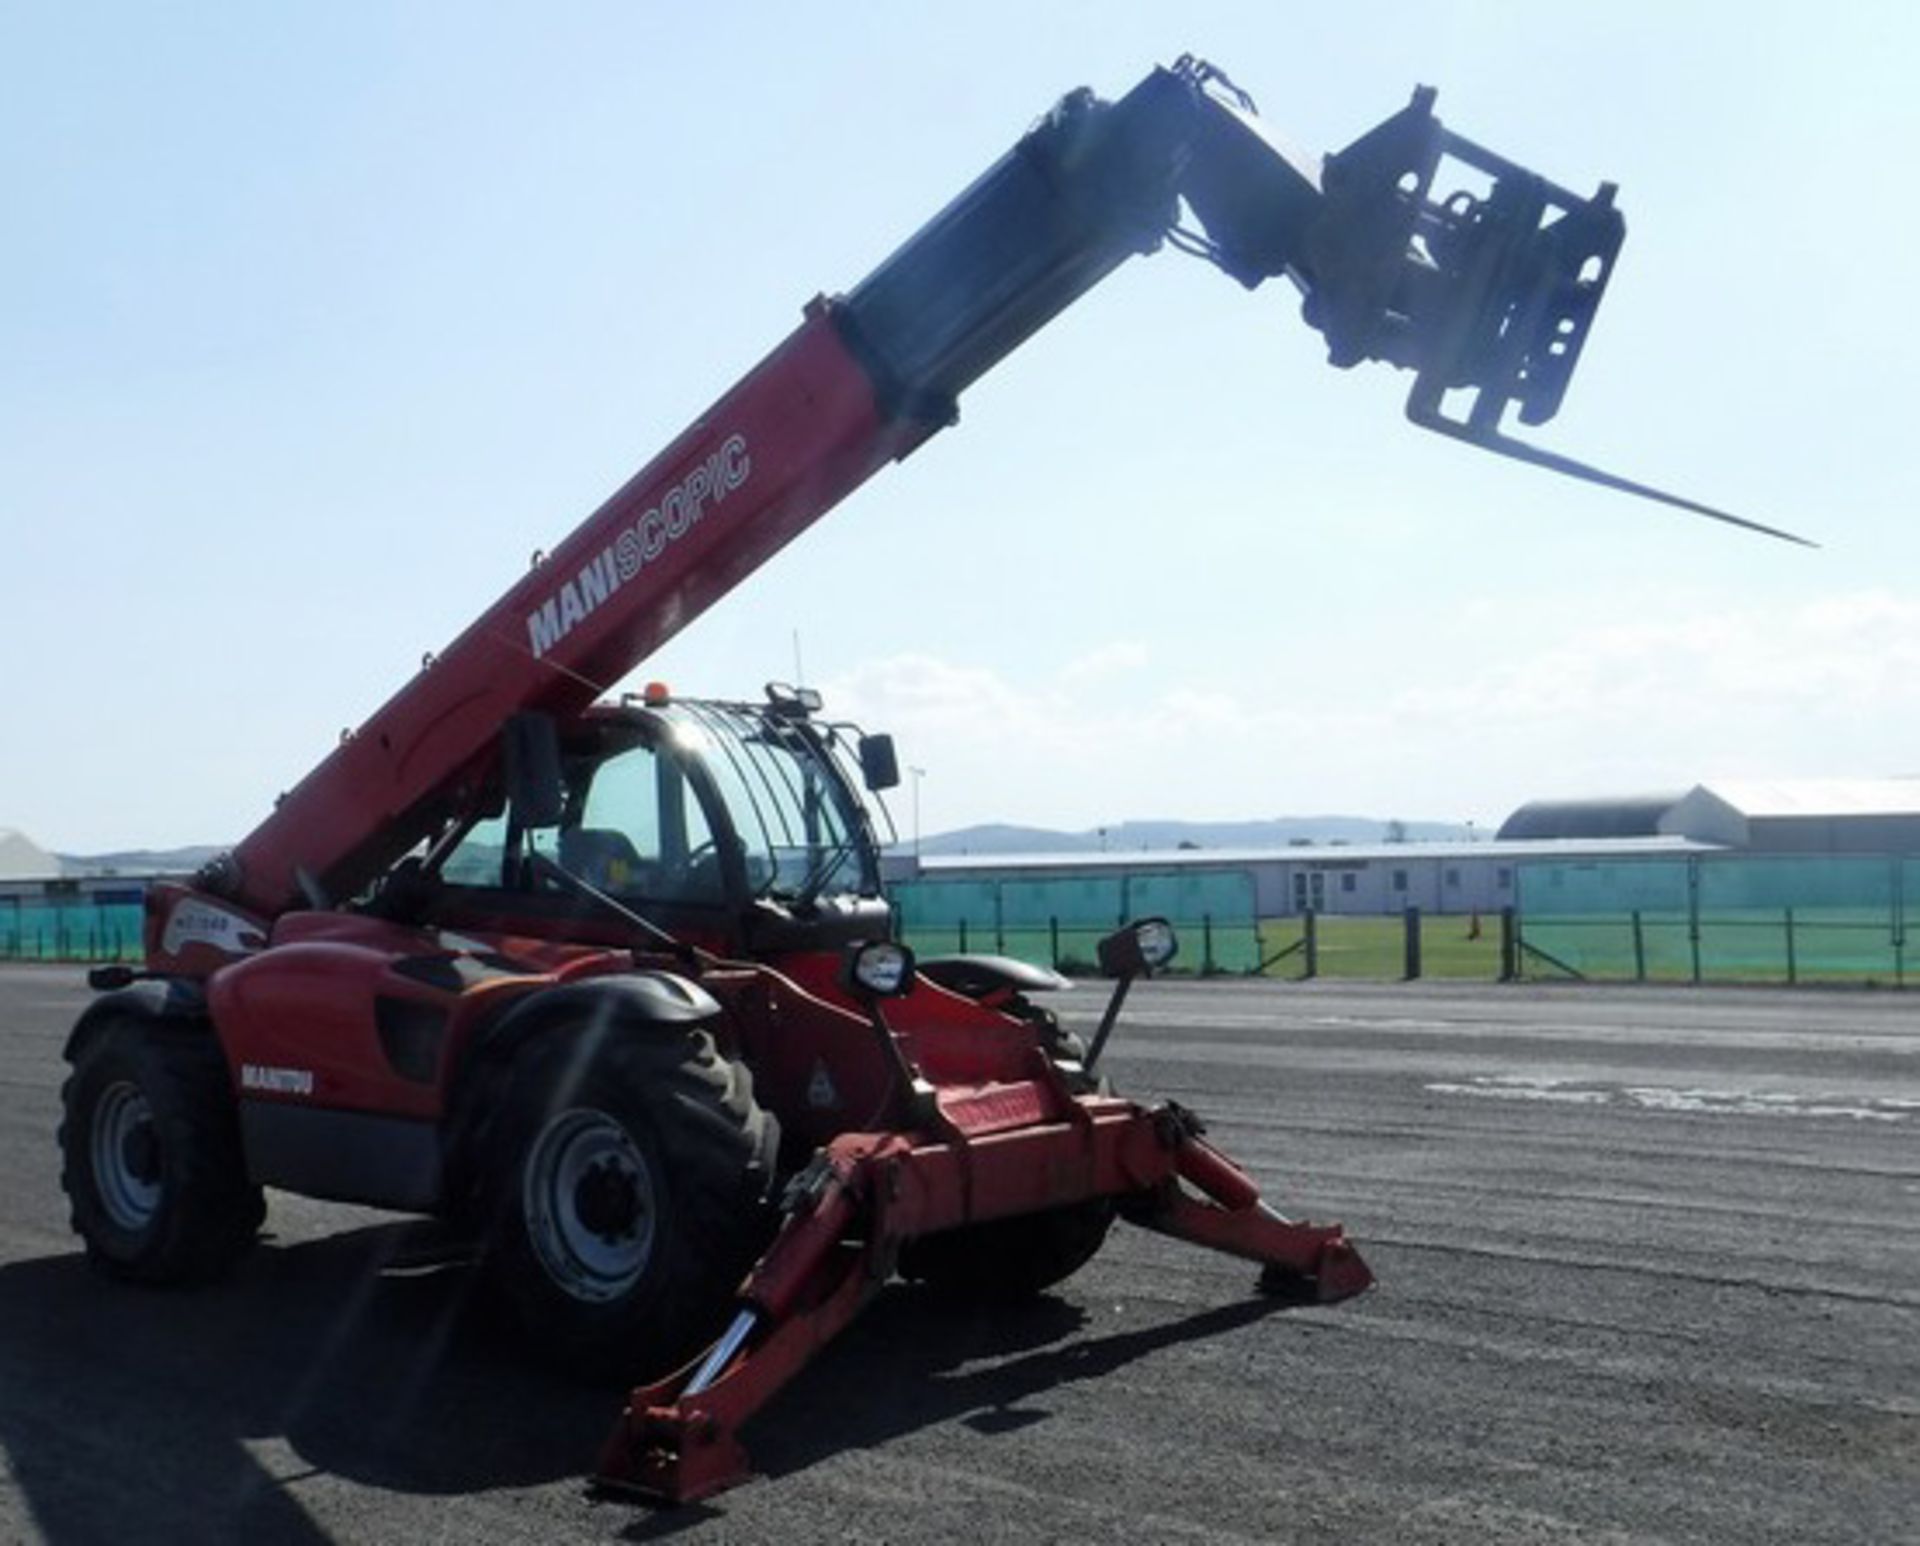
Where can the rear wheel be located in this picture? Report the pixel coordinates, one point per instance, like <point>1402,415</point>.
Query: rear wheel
<point>628,1195</point>
<point>153,1167</point>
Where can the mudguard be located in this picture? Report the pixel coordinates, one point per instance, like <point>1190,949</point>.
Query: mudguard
<point>173,1002</point>
<point>975,976</point>
<point>629,998</point>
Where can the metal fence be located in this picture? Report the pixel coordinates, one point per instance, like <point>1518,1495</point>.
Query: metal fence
<point>1465,946</point>
<point>81,928</point>
<point>1698,918</point>
<point>1058,920</point>
<point>1690,918</point>
<point>1719,918</point>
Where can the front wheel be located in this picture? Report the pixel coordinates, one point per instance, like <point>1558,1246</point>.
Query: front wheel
<point>152,1161</point>
<point>1016,1258</point>
<point>1013,1258</point>
<point>628,1195</point>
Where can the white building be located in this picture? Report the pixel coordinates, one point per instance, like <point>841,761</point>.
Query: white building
<point>1772,816</point>
<point>1384,878</point>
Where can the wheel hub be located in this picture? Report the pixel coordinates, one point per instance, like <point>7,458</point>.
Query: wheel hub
<point>590,1201</point>
<point>608,1201</point>
<point>140,1153</point>
<point>126,1158</point>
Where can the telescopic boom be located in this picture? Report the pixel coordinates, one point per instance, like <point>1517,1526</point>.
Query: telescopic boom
<point>1492,293</point>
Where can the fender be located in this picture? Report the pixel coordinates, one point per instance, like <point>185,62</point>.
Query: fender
<point>977,976</point>
<point>628,1003</point>
<point>175,1003</point>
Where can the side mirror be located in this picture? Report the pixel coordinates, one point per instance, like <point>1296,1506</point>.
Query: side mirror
<point>530,765</point>
<point>879,766</point>
<point>1141,947</point>
<point>1138,950</point>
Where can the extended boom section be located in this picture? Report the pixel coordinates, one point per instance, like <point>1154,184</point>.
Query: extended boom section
<point>1492,293</point>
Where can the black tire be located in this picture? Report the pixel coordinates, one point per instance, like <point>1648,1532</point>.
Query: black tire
<point>152,1162</point>
<point>627,1193</point>
<point>1010,1259</point>
<point>1066,1048</point>
<point>1016,1258</point>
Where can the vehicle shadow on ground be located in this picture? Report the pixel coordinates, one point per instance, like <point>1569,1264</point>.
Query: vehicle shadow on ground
<point>904,1366</point>
<point>188,1414</point>
<point>195,1414</point>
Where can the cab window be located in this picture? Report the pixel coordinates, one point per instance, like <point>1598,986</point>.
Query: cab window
<point>634,828</point>
<point>640,832</point>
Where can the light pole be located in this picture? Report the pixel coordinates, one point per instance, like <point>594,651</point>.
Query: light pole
<point>916,774</point>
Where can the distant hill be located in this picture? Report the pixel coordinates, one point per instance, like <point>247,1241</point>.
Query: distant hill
<point>140,861</point>
<point>999,838</point>
<point>988,838</point>
<point>1159,836</point>
<point>23,859</point>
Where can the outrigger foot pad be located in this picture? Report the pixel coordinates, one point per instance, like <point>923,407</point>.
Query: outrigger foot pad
<point>1341,1275</point>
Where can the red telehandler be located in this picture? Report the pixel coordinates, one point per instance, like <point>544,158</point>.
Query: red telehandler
<point>611,985</point>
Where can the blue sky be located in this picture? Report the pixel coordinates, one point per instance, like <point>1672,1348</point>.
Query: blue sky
<point>318,320</point>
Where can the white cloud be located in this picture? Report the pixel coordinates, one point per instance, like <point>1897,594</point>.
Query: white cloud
<point>1109,660</point>
<point>1857,650</point>
<point>1681,693</point>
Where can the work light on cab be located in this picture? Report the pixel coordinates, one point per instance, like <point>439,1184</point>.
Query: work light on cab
<point>799,701</point>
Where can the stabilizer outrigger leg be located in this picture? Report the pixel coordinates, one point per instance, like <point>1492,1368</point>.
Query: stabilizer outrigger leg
<point>1306,1263</point>
<point>865,1194</point>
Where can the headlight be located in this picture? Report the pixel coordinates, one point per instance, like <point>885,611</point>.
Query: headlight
<point>880,969</point>
<point>1157,942</point>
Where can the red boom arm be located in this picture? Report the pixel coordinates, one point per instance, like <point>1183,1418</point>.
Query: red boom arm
<point>1493,294</point>
<point>778,451</point>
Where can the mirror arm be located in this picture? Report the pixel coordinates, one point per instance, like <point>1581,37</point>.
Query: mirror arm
<point>1106,1023</point>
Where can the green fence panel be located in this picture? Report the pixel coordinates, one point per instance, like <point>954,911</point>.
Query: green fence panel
<point>78,930</point>
<point>945,917</point>
<point>1579,917</point>
<point>1599,888</point>
<point>1740,885</point>
<point>1213,911</point>
<point>1060,919</point>
<point>1718,917</point>
<point>1031,902</point>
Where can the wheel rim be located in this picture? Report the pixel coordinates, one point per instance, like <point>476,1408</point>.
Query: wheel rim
<point>589,1200</point>
<point>125,1152</point>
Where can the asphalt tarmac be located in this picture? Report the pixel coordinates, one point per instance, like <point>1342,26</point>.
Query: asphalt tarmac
<point>1649,1263</point>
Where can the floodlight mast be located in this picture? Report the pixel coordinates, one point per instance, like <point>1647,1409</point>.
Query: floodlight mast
<point>1494,294</point>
